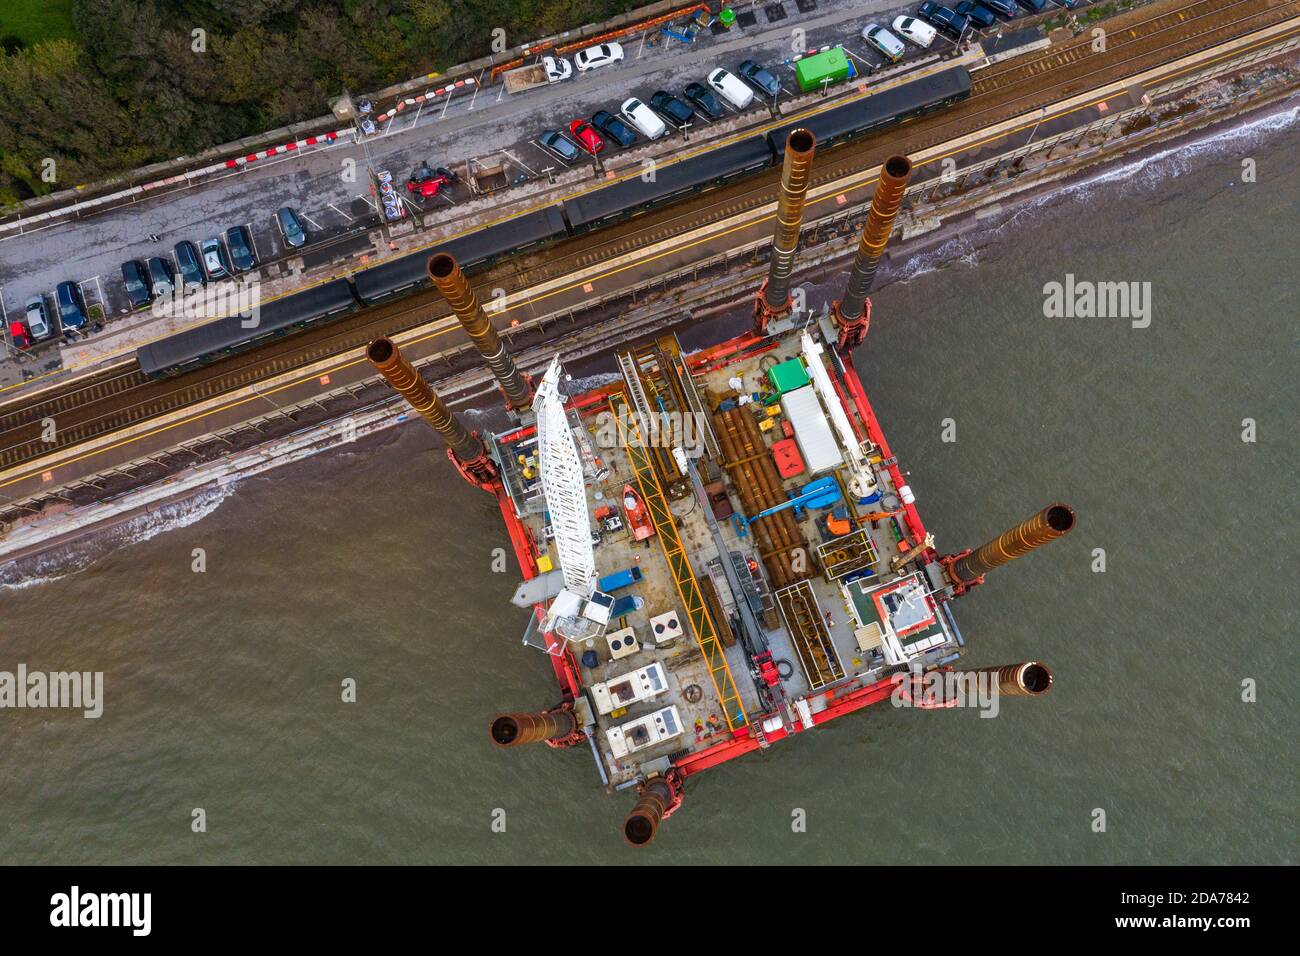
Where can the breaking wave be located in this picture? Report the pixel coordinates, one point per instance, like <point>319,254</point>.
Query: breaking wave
<point>61,561</point>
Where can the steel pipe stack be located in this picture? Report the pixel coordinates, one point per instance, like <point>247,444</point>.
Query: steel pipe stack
<point>1034,532</point>
<point>512,730</point>
<point>643,821</point>
<point>796,174</point>
<point>1030,679</point>
<point>885,204</point>
<point>455,288</point>
<point>385,356</point>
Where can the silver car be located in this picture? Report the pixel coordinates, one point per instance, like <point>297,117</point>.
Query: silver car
<point>889,45</point>
<point>215,259</point>
<point>38,321</point>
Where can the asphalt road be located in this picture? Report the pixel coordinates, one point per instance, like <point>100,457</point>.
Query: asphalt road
<point>328,186</point>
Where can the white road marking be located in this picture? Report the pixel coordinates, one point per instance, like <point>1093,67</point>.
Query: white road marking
<point>309,219</point>
<point>501,94</point>
<point>416,122</point>
<point>4,313</point>
<point>475,96</point>
<point>444,107</point>
<point>520,161</point>
<point>366,199</point>
<point>340,212</point>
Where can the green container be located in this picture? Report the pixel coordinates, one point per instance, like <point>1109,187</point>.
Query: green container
<point>824,68</point>
<point>788,376</point>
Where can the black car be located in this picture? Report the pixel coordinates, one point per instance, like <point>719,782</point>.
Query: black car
<point>942,18</point>
<point>611,127</point>
<point>1004,8</point>
<point>294,235</point>
<point>758,77</point>
<point>1034,6</point>
<point>136,281</point>
<point>240,242</point>
<point>189,265</point>
<point>704,100</point>
<point>72,311</point>
<point>978,14</point>
<point>671,108</point>
<point>162,278</point>
<point>559,145</point>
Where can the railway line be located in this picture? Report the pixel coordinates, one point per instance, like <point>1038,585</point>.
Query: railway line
<point>123,397</point>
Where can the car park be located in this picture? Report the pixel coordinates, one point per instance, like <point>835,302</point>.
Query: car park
<point>240,244</point>
<point>611,127</point>
<point>594,57</point>
<point>759,77</point>
<point>978,14</point>
<point>556,144</point>
<point>888,45</point>
<point>915,31</point>
<point>944,19</point>
<point>188,264</point>
<point>727,85</point>
<point>215,260</point>
<point>72,311</point>
<point>19,335</point>
<point>1003,8</point>
<point>671,108</point>
<point>642,118</point>
<point>704,100</point>
<point>586,137</point>
<point>136,280</point>
<point>291,230</point>
<point>38,320</point>
<point>162,278</point>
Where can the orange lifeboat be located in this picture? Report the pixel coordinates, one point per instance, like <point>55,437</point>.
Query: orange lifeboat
<point>638,518</point>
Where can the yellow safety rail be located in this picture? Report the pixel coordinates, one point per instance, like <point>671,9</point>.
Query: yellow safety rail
<point>688,589</point>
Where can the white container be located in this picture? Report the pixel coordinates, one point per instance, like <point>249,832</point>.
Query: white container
<point>812,431</point>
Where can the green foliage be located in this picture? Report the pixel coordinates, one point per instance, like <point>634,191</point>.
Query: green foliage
<point>25,23</point>
<point>137,91</point>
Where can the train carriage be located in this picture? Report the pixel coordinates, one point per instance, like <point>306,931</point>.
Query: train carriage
<point>205,343</point>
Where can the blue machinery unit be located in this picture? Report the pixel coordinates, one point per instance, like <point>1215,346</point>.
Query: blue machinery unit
<point>821,493</point>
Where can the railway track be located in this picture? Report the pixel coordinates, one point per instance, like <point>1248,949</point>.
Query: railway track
<point>121,398</point>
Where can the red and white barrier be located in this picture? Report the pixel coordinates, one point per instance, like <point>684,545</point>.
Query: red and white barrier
<point>428,97</point>
<point>279,150</point>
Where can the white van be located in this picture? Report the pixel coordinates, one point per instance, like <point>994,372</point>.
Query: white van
<point>918,31</point>
<point>730,88</point>
<point>643,118</point>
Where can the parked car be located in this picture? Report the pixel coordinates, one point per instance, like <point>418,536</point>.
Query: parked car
<point>1003,8</point>
<point>611,127</point>
<point>728,86</point>
<point>19,335</point>
<point>703,99</point>
<point>240,244</point>
<point>136,280</point>
<point>162,278</point>
<point>977,14</point>
<point>38,320</point>
<point>761,78</point>
<point>1034,6</point>
<point>890,46</point>
<point>72,310</point>
<point>586,137</point>
<point>916,31</point>
<point>427,181</point>
<point>189,265</point>
<point>215,259</point>
<point>557,144</point>
<point>597,56</point>
<point>291,230</point>
<point>642,118</point>
<point>940,16</point>
<point>671,108</point>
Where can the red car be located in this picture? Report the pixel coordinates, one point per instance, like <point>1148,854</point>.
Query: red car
<point>427,182</point>
<point>19,335</point>
<point>587,137</point>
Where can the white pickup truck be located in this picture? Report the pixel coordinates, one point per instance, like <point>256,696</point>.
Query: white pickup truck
<point>551,69</point>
